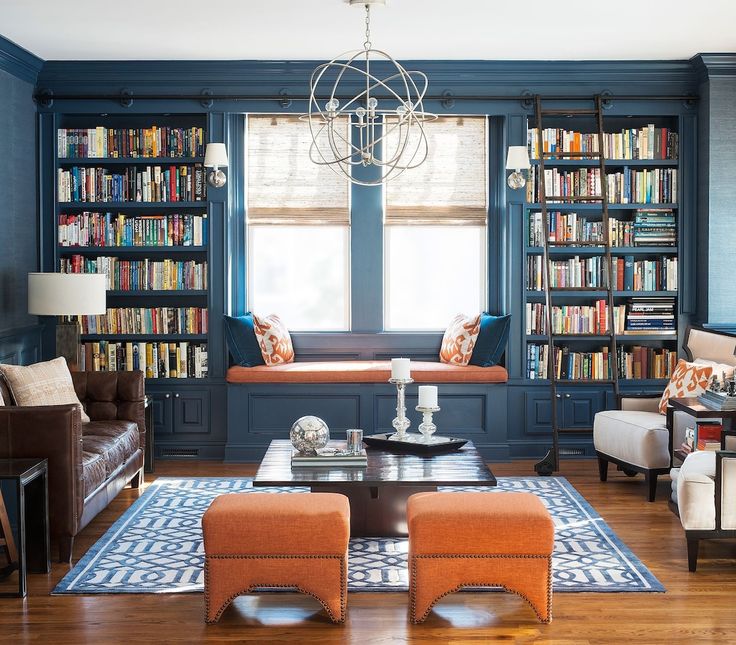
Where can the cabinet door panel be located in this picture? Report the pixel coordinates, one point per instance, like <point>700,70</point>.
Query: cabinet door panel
<point>163,418</point>
<point>537,413</point>
<point>192,412</point>
<point>579,408</point>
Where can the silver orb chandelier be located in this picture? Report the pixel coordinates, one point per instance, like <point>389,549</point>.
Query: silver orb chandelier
<point>379,125</point>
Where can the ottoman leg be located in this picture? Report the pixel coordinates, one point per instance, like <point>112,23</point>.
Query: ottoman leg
<point>322,577</point>
<point>433,577</point>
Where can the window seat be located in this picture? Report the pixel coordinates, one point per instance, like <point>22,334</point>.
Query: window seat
<point>364,372</point>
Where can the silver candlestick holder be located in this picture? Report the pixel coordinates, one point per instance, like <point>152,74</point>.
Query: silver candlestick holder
<point>427,426</point>
<point>400,423</point>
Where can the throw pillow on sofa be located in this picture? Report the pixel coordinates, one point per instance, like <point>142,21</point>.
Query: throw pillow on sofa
<point>688,379</point>
<point>492,338</point>
<point>459,340</point>
<point>48,383</point>
<point>242,340</point>
<point>274,340</point>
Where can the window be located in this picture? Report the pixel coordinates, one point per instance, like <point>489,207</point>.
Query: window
<point>298,216</point>
<point>435,230</point>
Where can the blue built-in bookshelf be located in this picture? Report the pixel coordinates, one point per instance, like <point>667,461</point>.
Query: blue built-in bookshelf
<point>644,181</point>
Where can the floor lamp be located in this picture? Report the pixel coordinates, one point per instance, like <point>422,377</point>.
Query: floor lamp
<point>67,294</point>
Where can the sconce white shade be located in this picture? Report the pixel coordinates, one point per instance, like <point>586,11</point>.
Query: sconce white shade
<point>215,155</point>
<point>66,294</point>
<point>517,158</point>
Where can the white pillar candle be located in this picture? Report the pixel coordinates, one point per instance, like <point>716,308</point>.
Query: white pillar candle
<point>400,368</point>
<point>427,396</point>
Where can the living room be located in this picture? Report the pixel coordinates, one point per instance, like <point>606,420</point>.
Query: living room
<point>372,321</point>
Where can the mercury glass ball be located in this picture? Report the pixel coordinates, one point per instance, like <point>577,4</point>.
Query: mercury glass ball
<point>309,434</point>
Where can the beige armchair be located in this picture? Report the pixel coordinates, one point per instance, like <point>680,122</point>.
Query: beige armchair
<point>636,437</point>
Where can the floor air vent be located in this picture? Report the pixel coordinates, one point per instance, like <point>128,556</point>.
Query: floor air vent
<point>180,453</point>
<point>572,452</point>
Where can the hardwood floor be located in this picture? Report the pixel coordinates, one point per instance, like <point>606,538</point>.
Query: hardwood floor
<point>697,608</point>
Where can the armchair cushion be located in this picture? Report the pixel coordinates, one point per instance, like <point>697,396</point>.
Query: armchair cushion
<point>635,437</point>
<point>696,491</point>
<point>47,383</point>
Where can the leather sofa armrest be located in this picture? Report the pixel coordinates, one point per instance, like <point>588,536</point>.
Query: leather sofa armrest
<point>639,402</point>
<point>53,432</point>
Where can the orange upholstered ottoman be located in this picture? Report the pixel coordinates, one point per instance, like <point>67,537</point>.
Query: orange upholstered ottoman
<point>479,540</point>
<point>297,540</point>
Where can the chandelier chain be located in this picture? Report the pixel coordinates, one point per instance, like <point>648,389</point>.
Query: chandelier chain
<point>367,44</point>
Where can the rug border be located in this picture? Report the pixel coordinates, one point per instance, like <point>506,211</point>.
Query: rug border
<point>63,586</point>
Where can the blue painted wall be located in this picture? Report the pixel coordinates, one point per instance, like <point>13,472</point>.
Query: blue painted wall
<point>18,177</point>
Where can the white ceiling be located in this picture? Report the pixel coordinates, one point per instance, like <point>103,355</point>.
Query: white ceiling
<point>322,29</point>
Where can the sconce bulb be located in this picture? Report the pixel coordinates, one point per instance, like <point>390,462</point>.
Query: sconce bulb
<point>516,180</point>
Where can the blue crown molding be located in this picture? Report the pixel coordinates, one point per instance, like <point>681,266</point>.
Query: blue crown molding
<point>463,78</point>
<point>709,66</point>
<point>18,61</point>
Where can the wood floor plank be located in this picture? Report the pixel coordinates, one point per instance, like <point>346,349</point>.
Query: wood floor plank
<point>697,608</point>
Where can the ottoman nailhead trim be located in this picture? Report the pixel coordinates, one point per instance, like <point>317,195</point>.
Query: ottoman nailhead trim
<point>470,556</point>
<point>226,604</point>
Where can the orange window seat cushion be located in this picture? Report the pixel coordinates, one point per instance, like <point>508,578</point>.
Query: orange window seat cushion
<point>364,372</point>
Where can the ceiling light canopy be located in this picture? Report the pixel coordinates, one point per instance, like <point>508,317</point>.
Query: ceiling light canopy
<point>365,109</point>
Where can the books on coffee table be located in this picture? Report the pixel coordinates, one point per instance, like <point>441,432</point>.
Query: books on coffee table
<point>329,457</point>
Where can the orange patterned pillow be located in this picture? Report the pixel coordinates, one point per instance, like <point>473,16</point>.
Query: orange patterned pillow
<point>459,340</point>
<point>688,379</point>
<point>274,339</point>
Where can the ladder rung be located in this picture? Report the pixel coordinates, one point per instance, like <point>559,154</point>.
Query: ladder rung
<point>574,430</point>
<point>573,155</point>
<point>567,111</point>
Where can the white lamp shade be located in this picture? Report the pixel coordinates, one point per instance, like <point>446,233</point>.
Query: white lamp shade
<point>517,158</point>
<point>215,155</point>
<point>66,294</point>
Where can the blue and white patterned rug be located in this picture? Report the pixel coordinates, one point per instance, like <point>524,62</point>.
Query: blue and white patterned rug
<point>156,545</point>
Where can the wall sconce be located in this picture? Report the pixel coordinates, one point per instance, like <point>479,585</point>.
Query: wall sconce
<point>215,156</point>
<point>517,160</point>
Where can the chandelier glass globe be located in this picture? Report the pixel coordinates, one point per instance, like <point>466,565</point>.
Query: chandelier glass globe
<point>379,125</point>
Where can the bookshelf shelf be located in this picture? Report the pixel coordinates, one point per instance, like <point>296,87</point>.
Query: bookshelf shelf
<point>597,293</point>
<point>130,205</point>
<point>612,163</point>
<point>562,206</point>
<point>622,338</point>
<point>152,337</point>
<point>131,250</point>
<point>164,293</point>
<point>128,161</point>
<point>593,250</point>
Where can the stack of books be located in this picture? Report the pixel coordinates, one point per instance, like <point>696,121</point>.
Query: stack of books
<point>717,400</point>
<point>655,228</point>
<point>330,457</point>
<point>651,316</point>
<point>708,436</point>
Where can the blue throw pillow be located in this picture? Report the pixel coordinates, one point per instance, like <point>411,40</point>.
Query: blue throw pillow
<point>491,343</point>
<point>242,341</point>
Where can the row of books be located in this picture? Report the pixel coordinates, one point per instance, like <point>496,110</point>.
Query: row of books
<point>705,435</point>
<point>132,184</point>
<point>655,228</point>
<point>107,229</point>
<point>155,360</point>
<point>633,362</point>
<point>574,319</point>
<point>142,320</point>
<point>141,275</point>
<point>648,142</point>
<point>647,186</point>
<point>648,228</point>
<point>651,315</point>
<point>156,141</point>
<point>590,273</point>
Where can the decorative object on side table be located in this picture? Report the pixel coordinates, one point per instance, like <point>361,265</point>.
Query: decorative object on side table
<point>401,377</point>
<point>309,434</point>
<point>335,455</point>
<point>720,395</point>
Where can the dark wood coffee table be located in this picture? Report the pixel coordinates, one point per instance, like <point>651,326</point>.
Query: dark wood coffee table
<point>378,492</point>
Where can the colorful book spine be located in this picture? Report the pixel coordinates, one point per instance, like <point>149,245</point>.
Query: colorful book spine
<point>142,320</point>
<point>157,141</point>
<point>155,360</point>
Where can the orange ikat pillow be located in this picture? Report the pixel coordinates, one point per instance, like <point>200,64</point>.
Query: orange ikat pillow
<point>274,340</point>
<point>459,340</point>
<point>688,379</point>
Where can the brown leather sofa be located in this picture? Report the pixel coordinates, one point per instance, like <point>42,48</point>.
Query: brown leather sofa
<point>89,463</point>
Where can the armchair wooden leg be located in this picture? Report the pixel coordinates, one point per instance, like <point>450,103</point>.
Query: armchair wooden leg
<point>652,482</point>
<point>692,553</point>
<point>602,469</point>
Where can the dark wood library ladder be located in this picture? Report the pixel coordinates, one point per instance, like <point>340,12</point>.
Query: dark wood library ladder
<point>551,461</point>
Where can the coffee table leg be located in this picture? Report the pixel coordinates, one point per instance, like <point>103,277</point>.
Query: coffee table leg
<point>38,551</point>
<point>376,511</point>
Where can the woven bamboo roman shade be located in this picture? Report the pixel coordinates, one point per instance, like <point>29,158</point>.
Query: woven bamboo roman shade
<point>284,185</point>
<point>450,187</point>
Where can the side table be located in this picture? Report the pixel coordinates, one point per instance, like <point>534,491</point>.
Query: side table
<point>693,407</point>
<point>30,477</point>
